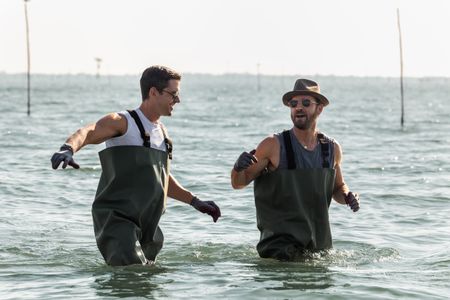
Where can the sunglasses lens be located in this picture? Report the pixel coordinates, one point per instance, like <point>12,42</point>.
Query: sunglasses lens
<point>306,102</point>
<point>293,103</point>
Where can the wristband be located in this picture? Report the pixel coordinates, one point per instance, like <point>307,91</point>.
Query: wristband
<point>237,168</point>
<point>66,146</point>
<point>346,198</point>
<point>194,199</point>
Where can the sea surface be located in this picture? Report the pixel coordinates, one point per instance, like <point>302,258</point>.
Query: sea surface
<point>396,247</point>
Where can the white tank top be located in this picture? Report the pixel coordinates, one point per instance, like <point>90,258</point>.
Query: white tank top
<point>133,136</point>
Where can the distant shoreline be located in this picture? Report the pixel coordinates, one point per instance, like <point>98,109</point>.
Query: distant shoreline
<point>2,73</point>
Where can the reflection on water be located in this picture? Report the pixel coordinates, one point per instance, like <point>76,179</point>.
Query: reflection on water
<point>245,271</point>
<point>304,274</point>
<point>132,281</point>
<point>48,250</point>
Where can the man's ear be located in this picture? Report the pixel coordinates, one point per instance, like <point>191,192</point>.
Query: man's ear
<point>319,108</point>
<point>153,92</point>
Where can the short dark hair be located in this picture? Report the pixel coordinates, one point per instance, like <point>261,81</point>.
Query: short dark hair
<point>158,77</point>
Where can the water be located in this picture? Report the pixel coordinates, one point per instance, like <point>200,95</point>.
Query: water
<point>396,246</point>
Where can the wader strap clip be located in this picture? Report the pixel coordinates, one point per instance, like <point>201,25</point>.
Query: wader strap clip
<point>145,136</point>
<point>325,147</point>
<point>167,141</point>
<point>289,150</point>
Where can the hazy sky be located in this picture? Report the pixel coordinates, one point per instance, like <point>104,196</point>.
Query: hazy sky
<point>349,37</point>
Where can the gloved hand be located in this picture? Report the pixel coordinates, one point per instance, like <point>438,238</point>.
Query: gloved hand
<point>245,160</point>
<point>352,200</point>
<point>206,207</point>
<point>64,154</point>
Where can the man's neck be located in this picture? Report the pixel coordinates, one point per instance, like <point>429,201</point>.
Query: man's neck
<point>149,111</point>
<point>307,137</point>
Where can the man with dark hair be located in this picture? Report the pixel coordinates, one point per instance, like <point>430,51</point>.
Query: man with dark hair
<point>156,76</point>
<point>136,179</point>
<point>296,174</point>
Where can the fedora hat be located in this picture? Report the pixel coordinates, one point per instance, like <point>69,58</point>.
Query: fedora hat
<point>305,87</point>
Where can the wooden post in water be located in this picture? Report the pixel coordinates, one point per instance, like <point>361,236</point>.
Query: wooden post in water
<point>401,66</point>
<point>258,79</point>
<point>98,60</point>
<point>28,59</point>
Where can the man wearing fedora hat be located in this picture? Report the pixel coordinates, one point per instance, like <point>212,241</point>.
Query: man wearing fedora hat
<point>296,173</point>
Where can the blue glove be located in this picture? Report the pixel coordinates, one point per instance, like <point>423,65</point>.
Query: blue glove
<point>352,200</point>
<point>245,160</point>
<point>64,154</point>
<point>206,207</point>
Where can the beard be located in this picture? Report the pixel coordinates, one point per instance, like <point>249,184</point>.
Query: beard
<point>303,121</point>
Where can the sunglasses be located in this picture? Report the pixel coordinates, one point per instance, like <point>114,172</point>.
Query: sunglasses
<point>305,102</point>
<point>175,95</point>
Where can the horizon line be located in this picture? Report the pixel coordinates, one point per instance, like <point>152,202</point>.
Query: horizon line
<point>227,74</point>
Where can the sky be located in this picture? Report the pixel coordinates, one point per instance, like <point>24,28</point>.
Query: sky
<point>282,37</point>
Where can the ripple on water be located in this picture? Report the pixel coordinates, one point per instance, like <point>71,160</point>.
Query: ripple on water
<point>395,246</point>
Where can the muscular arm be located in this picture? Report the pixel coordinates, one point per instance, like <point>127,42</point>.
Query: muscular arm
<point>266,153</point>
<point>107,127</point>
<point>340,187</point>
<point>178,192</point>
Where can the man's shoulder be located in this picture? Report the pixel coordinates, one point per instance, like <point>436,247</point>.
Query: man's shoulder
<point>327,138</point>
<point>273,138</point>
<point>269,143</point>
<point>113,117</point>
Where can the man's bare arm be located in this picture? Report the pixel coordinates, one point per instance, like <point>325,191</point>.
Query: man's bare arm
<point>178,192</point>
<point>264,155</point>
<point>341,191</point>
<point>340,187</point>
<point>107,127</point>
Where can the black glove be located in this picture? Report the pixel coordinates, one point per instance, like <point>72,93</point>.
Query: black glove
<point>352,200</point>
<point>64,154</point>
<point>245,160</point>
<point>206,207</point>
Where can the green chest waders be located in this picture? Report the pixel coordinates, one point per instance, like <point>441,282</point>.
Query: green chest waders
<point>292,208</point>
<point>129,202</point>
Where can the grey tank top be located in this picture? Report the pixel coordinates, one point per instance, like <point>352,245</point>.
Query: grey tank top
<point>304,158</point>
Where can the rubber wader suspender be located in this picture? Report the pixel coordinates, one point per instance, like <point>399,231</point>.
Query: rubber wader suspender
<point>146,136</point>
<point>324,145</point>
<point>289,150</point>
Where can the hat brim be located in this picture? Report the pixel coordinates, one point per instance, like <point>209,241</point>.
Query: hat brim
<point>288,96</point>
